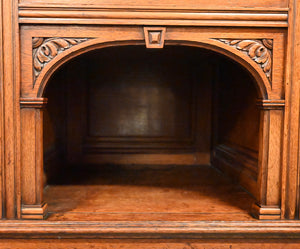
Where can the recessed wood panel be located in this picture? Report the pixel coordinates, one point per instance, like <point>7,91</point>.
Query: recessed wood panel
<point>137,100</point>
<point>140,101</point>
<point>140,94</point>
<point>147,100</point>
<point>236,125</point>
<point>238,113</point>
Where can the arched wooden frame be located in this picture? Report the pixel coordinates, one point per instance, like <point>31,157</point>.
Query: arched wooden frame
<point>262,82</point>
<point>269,182</point>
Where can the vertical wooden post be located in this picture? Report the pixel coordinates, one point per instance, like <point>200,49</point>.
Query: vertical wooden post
<point>270,158</point>
<point>291,149</point>
<point>33,206</point>
<point>9,97</point>
<point>2,161</point>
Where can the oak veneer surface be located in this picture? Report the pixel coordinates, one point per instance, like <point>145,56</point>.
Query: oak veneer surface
<point>186,4</point>
<point>145,193</point>
<point>149,101</point>
<point>141,93</point>
<point>148,244</point>
<point>289,179</point>
<point>236,108</point>
<point>131,100</point>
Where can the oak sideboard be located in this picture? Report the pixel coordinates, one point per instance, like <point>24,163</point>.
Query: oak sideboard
<point>149,124</point>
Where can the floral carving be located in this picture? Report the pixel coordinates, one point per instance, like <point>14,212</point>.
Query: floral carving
<point>258,50</point>
<point>44,50</point>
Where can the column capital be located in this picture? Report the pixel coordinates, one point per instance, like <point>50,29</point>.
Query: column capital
<point>33,102</point>
<point>271,104</point>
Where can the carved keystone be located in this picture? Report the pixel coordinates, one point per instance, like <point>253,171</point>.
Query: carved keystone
<point>154,37</point>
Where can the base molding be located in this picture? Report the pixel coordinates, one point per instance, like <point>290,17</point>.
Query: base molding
<point>34,212</point>
<point>150,230</point>
<point>239,164</point>
<point>266,212</point>
<point>149,243</point>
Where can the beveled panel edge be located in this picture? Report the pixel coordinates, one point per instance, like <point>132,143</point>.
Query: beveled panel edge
<point>84,15</point>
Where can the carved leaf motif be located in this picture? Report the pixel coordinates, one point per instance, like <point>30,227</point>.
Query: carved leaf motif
<point>44,50</point>
<point>258,50</point>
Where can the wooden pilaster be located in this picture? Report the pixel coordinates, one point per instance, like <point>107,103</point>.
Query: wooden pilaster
<point>269,180</point>
<point>32,158</point>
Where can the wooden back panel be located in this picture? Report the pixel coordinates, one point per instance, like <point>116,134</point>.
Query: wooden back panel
<point>125,102</point>
<point>133,100</point>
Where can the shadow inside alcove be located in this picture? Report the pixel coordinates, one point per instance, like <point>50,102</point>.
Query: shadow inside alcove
<point>128,102</point>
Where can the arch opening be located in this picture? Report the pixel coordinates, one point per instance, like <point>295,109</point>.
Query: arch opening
<point>260,81</point>
<point>126,126</point>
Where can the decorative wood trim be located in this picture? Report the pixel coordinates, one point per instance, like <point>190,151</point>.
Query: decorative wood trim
<point>266,212</point>
<point>147,158</point>
<point>34,212</point>
<point>150,230</point>
<point>33,102</point>
<point>147,16</point>
<point>154,37</point>
<point>45,49</point>
<point>239,163</point>
<point>271,104</point>
<point>258,50</point>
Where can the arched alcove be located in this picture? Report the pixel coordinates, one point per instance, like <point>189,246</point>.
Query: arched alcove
<point>262,82</point>
<point>159,134</point>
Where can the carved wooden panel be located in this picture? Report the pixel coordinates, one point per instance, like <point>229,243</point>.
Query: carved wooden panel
<point>45,49</point>
<point>242,22</point>
<point>258,50</point>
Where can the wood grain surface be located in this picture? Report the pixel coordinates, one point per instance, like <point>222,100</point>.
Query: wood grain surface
<point>264,157</point>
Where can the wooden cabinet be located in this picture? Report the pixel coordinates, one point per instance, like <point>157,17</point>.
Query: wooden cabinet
<point>150,120</point>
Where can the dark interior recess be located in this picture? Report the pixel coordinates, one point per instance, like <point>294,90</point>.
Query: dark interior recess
<point>131,112</point>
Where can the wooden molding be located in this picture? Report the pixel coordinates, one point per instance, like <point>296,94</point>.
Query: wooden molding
<point>34,212</point>
<point>258,50</point>
<point>266,213</point>
<point>239,163</point>
<point>271,104</point>
<point>147,16</point>
<point>150,230</point>
<point>45,49</point>
<point>147,159</point>
<point>33,102</point>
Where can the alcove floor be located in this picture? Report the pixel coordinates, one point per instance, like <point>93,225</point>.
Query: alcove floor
<point>145,192</point>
